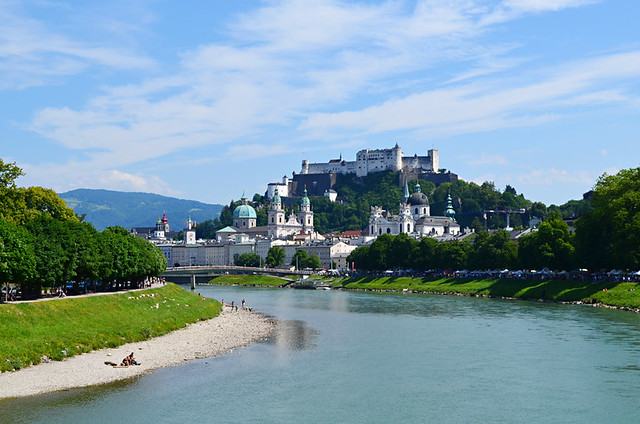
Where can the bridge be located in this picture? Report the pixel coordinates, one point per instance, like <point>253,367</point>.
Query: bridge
<point>203,274</point>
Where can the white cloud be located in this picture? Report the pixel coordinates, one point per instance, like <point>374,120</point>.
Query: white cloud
<point>486,159</point>
<point>289,64</point>
<point>547,177</point>
<point>31,54</point>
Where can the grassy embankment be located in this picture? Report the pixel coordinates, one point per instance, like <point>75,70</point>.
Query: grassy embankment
<point>621,295</point>
<point>249,280</point>
<point>60,328</point>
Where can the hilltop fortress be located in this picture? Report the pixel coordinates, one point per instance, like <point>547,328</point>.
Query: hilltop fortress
<point>368,161</point>
<point>320,178</point>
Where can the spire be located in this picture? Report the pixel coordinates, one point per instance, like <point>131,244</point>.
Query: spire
<point>449,212</point>
<point>406,191</point>
<point>418,189</point>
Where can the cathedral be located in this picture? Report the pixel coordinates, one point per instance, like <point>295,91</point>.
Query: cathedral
<point>279,226</point>
<point>414,218</point>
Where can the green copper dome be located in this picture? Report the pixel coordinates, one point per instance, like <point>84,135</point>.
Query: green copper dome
<point>244,210</point>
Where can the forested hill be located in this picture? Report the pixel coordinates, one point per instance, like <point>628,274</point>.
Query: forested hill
<point>105,208</point>
<point>356,195</point>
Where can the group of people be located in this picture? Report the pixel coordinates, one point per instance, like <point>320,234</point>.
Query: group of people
<point>129,360</point>
<point>234,305</point>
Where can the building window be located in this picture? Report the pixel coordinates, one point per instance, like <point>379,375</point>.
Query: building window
<point>416,212</point>
<point>380,231</point>
<point>272,220</point>
<point>388,230</point>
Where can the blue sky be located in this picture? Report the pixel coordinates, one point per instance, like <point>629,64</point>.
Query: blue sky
<point>204,99</point>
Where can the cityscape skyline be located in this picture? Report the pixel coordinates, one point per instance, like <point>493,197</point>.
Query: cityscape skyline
<point>207,101</point>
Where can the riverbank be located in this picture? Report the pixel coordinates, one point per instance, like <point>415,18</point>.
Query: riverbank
<point>619,295</point>
<point>199,340</point>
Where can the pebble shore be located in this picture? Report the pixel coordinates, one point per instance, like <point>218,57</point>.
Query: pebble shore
<point>199,340</point>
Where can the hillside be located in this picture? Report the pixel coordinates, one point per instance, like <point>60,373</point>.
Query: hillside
<point>105,208</point>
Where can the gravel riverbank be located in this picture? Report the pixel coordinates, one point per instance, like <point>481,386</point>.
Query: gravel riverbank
<point>198,340</point>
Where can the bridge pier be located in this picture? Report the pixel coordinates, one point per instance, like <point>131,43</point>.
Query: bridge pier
<point>193,281</point>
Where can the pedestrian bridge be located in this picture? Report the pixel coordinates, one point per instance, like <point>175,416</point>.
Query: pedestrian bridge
<point>202,274</point>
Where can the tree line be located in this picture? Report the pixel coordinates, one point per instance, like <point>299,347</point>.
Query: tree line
<point>607,236</point>
<point>45,244</point>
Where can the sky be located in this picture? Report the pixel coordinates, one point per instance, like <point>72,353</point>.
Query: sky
<point>205,99</point>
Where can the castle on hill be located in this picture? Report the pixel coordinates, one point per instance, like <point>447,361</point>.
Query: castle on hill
<point>368,161</point>
<point>320,178</point>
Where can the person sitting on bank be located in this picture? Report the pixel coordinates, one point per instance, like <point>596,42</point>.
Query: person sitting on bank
<point>129,360</point>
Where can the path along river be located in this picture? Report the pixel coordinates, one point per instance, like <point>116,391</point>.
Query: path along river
<point>347,357</point>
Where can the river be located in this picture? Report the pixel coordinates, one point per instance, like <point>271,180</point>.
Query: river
<point>352,357</point>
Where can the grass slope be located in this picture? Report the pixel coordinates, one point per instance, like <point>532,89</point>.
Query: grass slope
<point>249,280</point>
<point>622,295</point>
<point>61,328</point>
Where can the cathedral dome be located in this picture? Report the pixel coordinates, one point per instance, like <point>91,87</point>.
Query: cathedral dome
<point>419,199</point>
<point>244,211</point>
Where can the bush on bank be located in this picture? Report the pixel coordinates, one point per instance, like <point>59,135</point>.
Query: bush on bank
<point>61,328</point>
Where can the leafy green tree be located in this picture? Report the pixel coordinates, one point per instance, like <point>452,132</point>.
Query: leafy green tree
<point>453,255</point>
<point>379,252</point>
<point>249,259</point>
<point>56,261</point>
<point>608,236</point>
<point>9,172</point>
<point>313,262</point>
<point>17,258</point>
<point>399,255</point>
<point>493,251</point>
<point>299,258</point>
<point>206,230</point>
<point>359,257</point>
<point>551,246</point>
<point>275,256</point>
<point>424,256</point>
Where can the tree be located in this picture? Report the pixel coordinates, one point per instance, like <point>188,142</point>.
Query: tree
<point>313,262</point>
<point>399,256</point>
<point>299,258</point>
<point>17,258</point>
<point>206,230</point>
<point>9,172</point>
<point>54,260</point>
<point>275,256</point>
<point>608,236</point>
<point>551,246</point>
<point>248,259</point>
<point>493,251</point>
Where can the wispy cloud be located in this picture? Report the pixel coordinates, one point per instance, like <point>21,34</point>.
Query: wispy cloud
<point>309,70</point>
<point>32,54</point>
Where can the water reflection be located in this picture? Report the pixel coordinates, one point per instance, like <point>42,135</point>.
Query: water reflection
<point>43,408</point>
<point>293,335</point>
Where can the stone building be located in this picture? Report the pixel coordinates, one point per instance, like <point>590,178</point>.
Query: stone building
<point>414,218</point>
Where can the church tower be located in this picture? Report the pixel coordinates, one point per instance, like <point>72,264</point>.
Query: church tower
<point>275,215</point>
<point>190,232</point>
<point>305,216</point>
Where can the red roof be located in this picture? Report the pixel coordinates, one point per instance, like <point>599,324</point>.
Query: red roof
<point>352,233</point>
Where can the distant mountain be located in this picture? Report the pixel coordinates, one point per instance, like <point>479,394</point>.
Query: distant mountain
<point>105,208</point>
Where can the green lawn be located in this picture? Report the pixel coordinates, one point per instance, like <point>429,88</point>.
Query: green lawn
<point>624,295</point>
<point>249,280</point>
<point>61,328</point>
